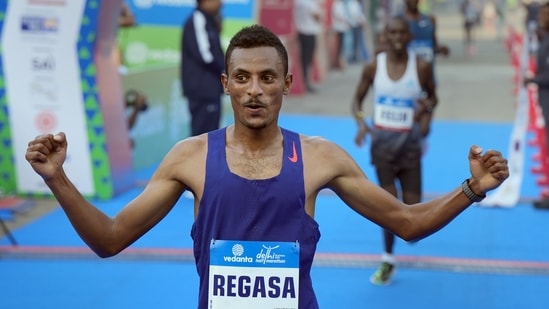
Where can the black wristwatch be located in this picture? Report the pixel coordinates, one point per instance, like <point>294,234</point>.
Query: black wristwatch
<point>469,193</point>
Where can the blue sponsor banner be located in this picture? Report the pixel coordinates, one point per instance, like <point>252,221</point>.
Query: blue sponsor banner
<point>238,9</point>
<point>254,254</point>
<point>174,12</point>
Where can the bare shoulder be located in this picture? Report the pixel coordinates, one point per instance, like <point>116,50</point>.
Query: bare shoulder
<point>317,144</point>
<point>369,70</point>
<point>327,165</point>
<point>321,152</point>
<point>185,162</point>
<point>189,148</point>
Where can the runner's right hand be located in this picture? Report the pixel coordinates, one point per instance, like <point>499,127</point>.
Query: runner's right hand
<point>46,154</point>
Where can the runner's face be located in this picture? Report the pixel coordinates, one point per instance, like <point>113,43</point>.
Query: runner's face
<point>256,83</point>
<point>211,6</point>
<point>397,35</point>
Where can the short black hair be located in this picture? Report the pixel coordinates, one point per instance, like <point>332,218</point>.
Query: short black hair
<point>397,18</point>
<point>257,36</point>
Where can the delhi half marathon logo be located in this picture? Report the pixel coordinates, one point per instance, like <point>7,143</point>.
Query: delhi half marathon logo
<point>238,255</point>
<point>267,255</point>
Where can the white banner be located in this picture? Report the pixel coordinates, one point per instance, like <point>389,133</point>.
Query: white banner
<point>508,194</point>
<point>43,89</point>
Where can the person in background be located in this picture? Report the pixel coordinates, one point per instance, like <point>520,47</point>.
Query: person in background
<point>201,65</point>
<point>424,42</point>
<point>126,20</point>
<point>256,184</point>
<point>541,79</point>
<point>531,17</point>
<point>340,26</point>
<point>398,78</point>
<point>308,24</point>
<point>472,15</point>
<point>531,23</point>
<point>358,21</point>
<point>135,103</point>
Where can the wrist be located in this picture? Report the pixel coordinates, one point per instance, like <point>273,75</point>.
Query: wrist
<point>430,105</point>
<point>470,190</point>
<point>359,115</point>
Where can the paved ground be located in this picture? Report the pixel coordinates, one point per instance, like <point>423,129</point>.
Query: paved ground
<point>478,89</point>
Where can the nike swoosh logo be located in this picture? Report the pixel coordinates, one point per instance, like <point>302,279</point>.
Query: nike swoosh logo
<point>294,157</point>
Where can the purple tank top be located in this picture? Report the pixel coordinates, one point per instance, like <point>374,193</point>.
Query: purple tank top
<point>235,208</point>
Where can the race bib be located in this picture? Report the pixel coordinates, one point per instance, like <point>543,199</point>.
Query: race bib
<point>253,274</point>
<point>394,113</point>
<point>424,49</point>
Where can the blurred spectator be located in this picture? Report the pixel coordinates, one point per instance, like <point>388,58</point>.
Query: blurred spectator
<point>126,19</point>
<point>424,33</point>
<point>541,78</point>
<point>426,45</point>
<point>202,63</point>
<point>308,23</point>
<point>531,22</point>
<point>358,20</point>
<point>135,102</point>
<point>531,17</point>
<point>340,26</point>
<point>471,11</point>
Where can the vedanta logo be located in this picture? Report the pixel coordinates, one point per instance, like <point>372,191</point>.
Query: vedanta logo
<point>238,251</point>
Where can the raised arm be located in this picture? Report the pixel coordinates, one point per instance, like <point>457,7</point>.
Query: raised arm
<point>105,235</point>
<point>410,222</point>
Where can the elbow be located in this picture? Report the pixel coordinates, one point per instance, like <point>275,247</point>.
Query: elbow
<point>412,238</point>
<point>103,255</point>
<point>415,232</point>
<point>409,236</point>
<point>105,252</point>
<point>409,231</point>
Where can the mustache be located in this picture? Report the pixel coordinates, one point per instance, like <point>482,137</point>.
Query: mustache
<point>254,102</point>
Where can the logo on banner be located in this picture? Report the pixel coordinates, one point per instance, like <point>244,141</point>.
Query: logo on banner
<point>146,4</point>
<point>139,53</point>
<point>43,63</point>
<point>39,24</point>
<point>45,122</point>
<point>47,2</point>
<point>43,89</point>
